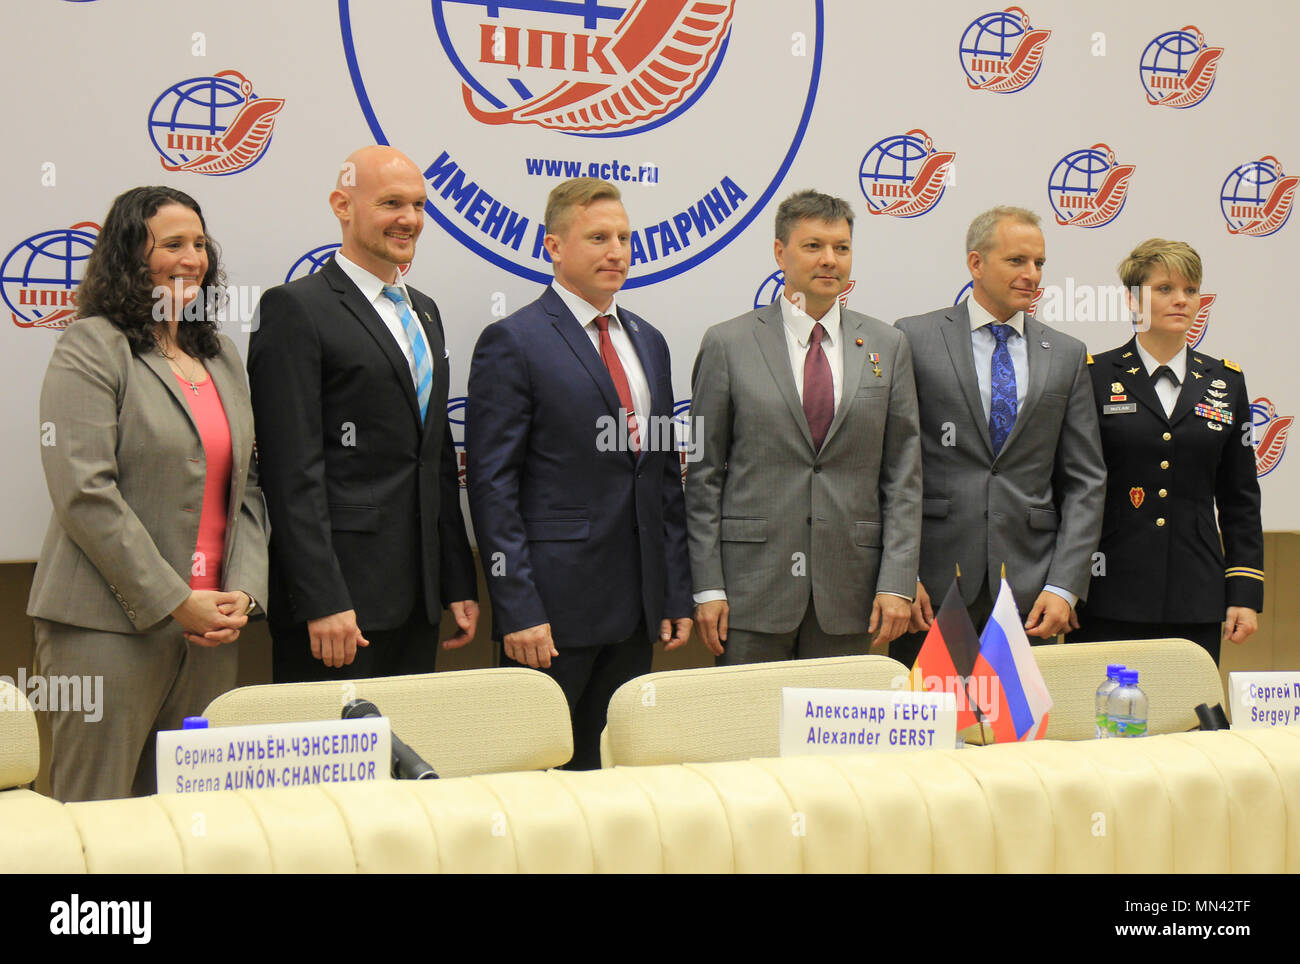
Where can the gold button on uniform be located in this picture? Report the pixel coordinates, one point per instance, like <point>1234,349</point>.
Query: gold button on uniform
<point>1164,493</point>
<point>1160,522</point>
<point>1166,436</point>
<point>1164,464</point>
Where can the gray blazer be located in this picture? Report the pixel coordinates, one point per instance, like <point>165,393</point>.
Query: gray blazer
<point>124,466</point>
<point>1037,507</point>
<point>770,520</point>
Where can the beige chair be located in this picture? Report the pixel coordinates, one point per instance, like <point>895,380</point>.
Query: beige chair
<point>1203,803</point>
<point>461,723</point>
<point>1176,675</point>
<point>723,712</point>
<point>44,837</point>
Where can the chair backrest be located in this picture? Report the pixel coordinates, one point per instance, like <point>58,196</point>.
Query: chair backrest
<point>1176,675</point>
<point>20,747</point>
<point>461,723</point>
<point>722,712</point>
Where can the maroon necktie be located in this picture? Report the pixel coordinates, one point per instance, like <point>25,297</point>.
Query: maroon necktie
<point>818,390</point>
<point>610,357</point>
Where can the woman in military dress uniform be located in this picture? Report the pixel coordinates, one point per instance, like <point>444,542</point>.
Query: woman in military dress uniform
<point>1176,433</point>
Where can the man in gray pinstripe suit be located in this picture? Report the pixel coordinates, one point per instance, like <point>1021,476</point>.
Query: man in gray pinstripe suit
<point>804,511</point>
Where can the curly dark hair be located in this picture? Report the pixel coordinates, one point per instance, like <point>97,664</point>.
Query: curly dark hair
<point>117,285</point>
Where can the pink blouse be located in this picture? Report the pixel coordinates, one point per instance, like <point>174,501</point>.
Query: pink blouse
<point>214,430</point>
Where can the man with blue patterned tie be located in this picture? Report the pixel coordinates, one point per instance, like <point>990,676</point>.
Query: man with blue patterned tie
<point>349,379</point>
<point>1011,466</point>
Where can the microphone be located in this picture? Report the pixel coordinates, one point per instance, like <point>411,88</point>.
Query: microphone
<point>407,764</point>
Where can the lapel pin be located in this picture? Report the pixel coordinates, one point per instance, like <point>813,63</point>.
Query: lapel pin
<point>1197,375</point>
<point>1132,371</point>
<point>1127,354</point>
<point>1116,387</point>
<point>858,342</point>
<point>1046,344</point>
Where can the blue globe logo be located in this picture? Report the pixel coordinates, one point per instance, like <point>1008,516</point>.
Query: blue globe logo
<point>1166,60</point>
<point>889,168</point>
<point>189,121</point>
<point>312,261</point>
<point>1081,183</point>
<point>1245,194</point>
<point>989,42</point>
<point>39,277</point>
<point>770,289</point>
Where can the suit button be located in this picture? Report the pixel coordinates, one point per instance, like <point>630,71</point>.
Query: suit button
<point>130,613</point>
<point>1160,522</point>
<point>1164,464</point>
<point>808,520</point>
<point>995,470</point>
<point>817,468</point>
<point>112,589</point>
<point>1166,436</point>
<point>1163,493</point>
<point>636,529</point>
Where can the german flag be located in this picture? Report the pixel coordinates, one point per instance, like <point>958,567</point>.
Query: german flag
<point>950,661</point>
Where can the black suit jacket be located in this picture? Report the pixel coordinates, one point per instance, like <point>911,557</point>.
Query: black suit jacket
<point>363,500</point>
<point>1161,547</point>
<point>572,531</point>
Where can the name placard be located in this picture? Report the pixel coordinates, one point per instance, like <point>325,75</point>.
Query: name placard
<point>820,721</point>
<point>274,755</point>
<point>1263,700</point>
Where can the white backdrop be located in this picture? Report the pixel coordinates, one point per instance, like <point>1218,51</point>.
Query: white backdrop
<point>707,111</point>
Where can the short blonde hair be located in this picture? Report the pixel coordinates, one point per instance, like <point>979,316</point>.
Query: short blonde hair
<point>979,236</point>
<point>1176,257</point>
<point>575,193</point>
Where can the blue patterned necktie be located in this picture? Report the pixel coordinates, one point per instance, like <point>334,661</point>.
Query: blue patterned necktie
<point>1002,385</point>
<point>423,368</point>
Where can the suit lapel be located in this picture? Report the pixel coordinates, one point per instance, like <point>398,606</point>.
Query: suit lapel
<point>364,312</point>
<point>1189,392</point>
<point>956,334</point>
<point>1138,383</point>
<point>164,372</point>
<point>437,353</point>
<point>769,330</point>
<point>578,341</point>
<point>851,328</point>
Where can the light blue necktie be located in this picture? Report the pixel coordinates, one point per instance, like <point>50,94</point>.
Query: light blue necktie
<point>1002,389</point>
<point>423,368</point>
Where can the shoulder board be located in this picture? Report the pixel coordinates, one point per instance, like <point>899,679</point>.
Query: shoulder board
<point>1232,365</point>
<point>1090,359</point>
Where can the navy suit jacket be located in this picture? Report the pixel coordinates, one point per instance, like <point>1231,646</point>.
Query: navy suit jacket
<point>571,530</point>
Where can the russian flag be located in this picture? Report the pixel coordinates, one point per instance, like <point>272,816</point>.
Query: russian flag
<point>950,661</point>
<point>1023,700</point>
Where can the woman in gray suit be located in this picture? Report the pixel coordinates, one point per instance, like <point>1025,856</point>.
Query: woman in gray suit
<point>156,551</point>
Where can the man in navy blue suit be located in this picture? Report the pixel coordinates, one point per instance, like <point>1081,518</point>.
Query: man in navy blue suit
<point>574,480</point>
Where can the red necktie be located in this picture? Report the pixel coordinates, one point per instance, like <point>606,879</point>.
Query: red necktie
<point>818,389</point>
<point>610,357</point>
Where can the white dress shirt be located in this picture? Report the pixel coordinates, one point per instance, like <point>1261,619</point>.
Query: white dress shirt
<point>983,344</point>
<point>1166,390</point>
<point>798,328</point>
<point>372,289</point>
<point>627,356</point>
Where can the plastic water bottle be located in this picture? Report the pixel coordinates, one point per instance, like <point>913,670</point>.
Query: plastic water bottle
<point>1126,709</point>
<point>1103,694</point>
